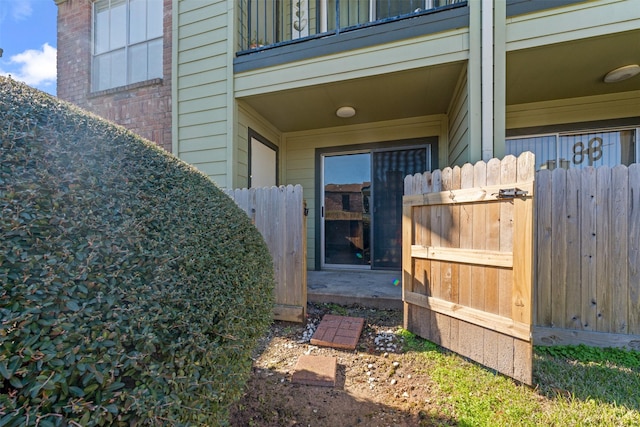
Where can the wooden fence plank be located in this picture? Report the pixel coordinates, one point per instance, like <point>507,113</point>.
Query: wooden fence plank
<point>294,239</point>
<point>522,295</point>
<point>466,235</point>
<point>479,237</point>
<point>505,351</point>
<point>508,174</point>
<point>460,331</point>
<point>522,308</point>
<point>447,241</point>
<point>559,248</point>
<point>435,233</point>
<point>543,248</point>
<point>408,266</point>
<point>619,248</point>
<point>423,216</point>
<point>441,324</point>
<point>634,249</point>
<point>492,233</point>
<point>588,253</point>
<point>572,285</point>
<point>454,329</point>
<point>603,266</point>
<point>416,273</point>
<point>466,335</point>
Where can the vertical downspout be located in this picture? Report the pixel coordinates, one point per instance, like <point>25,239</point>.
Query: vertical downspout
<point>499,79</point>
<point>232,109</point>
<point>175,144</point>
<point>486,72</point>
<point>474,84</point>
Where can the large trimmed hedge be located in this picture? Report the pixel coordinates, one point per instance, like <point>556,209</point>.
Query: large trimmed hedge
<point>133,290</point>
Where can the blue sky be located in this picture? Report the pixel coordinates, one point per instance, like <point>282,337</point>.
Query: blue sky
<point>28,41</point>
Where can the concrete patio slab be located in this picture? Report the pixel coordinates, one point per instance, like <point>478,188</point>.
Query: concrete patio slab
<point>315,370</point>
<point>368,288</point>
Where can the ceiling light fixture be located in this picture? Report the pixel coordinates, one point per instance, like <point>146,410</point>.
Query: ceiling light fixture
<point>622,73</point>
<point>346,112</point>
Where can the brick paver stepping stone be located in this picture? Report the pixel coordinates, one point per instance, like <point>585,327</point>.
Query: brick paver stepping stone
<point>338,332</point>
<point>315,370</point>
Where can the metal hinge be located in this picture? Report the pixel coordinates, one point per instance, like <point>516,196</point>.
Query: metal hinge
<point>511,193</point>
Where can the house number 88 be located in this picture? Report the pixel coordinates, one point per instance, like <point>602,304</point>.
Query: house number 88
<point>593,151</point>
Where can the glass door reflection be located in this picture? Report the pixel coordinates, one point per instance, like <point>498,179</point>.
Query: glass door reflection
<point>346,210</point>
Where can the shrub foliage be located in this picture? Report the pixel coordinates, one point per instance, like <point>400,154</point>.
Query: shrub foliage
<point>133,290</point>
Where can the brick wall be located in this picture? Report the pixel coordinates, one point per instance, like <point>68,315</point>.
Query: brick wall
<point>144,108</point>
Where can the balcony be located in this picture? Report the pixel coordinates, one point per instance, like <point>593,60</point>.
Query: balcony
<point>264,24</point>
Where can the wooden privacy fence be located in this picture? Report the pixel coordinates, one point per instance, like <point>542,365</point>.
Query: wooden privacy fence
<point>279,214</point>
<point>588,256</point>
<point>468,261</point>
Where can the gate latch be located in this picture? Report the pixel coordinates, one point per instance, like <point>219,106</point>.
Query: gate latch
<point>511,193</point>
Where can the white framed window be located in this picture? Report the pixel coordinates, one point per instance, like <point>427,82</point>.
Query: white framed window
<point>606,147</point>
<point>127,42</point>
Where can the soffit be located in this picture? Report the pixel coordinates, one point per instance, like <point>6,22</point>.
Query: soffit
<point>410,93</point>
<point>572,69</point>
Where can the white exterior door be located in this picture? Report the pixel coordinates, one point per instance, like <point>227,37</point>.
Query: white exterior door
<point>263,164</point>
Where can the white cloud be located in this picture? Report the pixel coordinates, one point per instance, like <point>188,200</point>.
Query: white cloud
<point>34,67</point>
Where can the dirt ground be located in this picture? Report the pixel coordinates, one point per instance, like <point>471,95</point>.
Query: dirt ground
<point>378,384</point>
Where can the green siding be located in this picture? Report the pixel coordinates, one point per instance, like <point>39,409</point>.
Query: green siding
<point>458,149</point>
<point>201,104</point>
<point>203,156</point>
<point>201,79</point>
<point>204,90</point>
<point>203,131</point>
<point>192,11</point>
<point>210,103</point>
<point>193,50</point>
<point>195,144</point>
<point>576,110</point>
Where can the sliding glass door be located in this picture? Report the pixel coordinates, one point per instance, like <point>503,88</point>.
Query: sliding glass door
<point>346,209</point>
<point>389,170</point>
<point>362,206</point>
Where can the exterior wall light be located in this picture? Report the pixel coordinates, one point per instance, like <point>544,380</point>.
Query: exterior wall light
<point>346,112</point>
<point>622,73</point>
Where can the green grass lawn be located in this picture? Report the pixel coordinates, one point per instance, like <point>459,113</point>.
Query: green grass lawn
<point>574,386</point>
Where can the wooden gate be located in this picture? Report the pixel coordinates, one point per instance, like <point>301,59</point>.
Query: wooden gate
<point>279,215</point>
<point>467,261</point>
